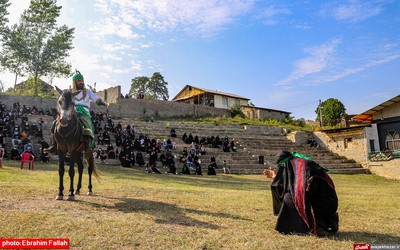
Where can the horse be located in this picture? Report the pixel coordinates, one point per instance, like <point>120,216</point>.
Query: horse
<point>68,134</point>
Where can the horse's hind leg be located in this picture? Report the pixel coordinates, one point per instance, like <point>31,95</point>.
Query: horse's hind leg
<point>61,170</point>
<point>71,172</point>
<point>80,172</point>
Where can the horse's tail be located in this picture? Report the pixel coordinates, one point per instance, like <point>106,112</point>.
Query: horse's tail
<point>92,166</point>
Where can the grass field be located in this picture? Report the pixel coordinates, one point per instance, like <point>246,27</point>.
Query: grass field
<point>135,210</point>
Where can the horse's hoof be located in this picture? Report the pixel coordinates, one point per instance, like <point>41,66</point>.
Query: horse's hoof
<point>71,198</point>
<point>59,197</point>
<point>90,193</point>
<point>77,192</point>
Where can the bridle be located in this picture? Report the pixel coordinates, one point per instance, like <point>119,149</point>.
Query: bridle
<point>72,116</point>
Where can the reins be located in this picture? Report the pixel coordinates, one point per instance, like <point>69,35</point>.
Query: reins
<point>71,132</point>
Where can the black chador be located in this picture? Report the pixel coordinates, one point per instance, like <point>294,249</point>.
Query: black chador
<point>304,197</point>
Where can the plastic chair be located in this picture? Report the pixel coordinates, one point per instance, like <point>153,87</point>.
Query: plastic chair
<point>27,158</point>
<point>1,157</point>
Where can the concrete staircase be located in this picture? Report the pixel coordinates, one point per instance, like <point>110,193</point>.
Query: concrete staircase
<point>251,143</point>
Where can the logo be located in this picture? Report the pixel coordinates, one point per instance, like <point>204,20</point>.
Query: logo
<point>360,246</point>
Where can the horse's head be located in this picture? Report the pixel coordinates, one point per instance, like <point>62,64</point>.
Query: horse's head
<point>65,106</point>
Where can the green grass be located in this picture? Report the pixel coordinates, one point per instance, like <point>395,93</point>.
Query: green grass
<point>237,120</point>
<point>134,210</point>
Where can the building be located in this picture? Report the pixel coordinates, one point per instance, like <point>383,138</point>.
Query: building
<point>384,132</point>
<point>253,112</point>
<point>374,142</point>
<point>214,98</point>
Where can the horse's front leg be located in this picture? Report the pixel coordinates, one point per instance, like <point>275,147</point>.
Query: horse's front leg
<point>90,161</point>
<point>71,172</point>
<point>61,170</point>
<point>80,172</point>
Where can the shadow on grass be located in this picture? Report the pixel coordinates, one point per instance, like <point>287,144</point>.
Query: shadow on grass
<point>220,181</point>
<point>166,213</point>
<point>367,237</point>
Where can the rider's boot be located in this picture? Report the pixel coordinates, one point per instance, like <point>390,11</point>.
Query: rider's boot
<point>53,147</point>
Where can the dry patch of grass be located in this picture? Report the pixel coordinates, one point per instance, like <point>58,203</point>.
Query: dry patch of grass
<point>134,210</point>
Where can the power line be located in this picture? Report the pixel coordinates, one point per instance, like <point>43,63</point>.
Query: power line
<point>301,105</point>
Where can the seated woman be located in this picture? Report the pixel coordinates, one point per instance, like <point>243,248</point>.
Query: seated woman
<point>185,168</point>
<point>140,159</point>
<point>172,132</point>
<point>211,170</point>
<point>304,197</point>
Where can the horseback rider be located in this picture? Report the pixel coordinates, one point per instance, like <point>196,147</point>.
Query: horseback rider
<point>82,104</point>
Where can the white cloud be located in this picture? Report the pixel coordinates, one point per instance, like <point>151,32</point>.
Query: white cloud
<point>136,66</point>
<point>113,47</point>
<point>354,10</point>
<point>271,13</point>
<point>197,17</point>
<point>145,46</point>
<point>318,60</point>
<point>113,26</point>
<point>354,70</point>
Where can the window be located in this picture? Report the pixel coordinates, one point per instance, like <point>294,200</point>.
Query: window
<point>225,101</point>
<point>347,142</point>
<point>392,140</point>
<point>372,145</point>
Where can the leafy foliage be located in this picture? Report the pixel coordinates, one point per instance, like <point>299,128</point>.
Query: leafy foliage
<point>332,110</point>
<point>27,88</point>
<point>143,87</point>
<point>36,46</point>
<point>3,14</point>
<point>236,110</point>
<point>158,87</point>
<point>139,87</point>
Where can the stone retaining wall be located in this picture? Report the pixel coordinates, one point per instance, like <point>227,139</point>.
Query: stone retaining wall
<point>129,108</point>
<point>388,169</point>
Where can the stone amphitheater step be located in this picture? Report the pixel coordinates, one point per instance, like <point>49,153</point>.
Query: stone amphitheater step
<point>251,143</point>
<point>34,119</point>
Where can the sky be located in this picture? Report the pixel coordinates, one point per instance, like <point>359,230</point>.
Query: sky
<point>284,55</point>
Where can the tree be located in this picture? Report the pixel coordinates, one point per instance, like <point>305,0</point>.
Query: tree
<point>1,87</point>
<point>158,87</point>
<point>12,55</point>
<point>43,46</point>
<point>155,87</point>
<point>139,87</point>
<point>332,110</point>
<point>236,110</point>
<point>3,14</point>
<point>3,18</point>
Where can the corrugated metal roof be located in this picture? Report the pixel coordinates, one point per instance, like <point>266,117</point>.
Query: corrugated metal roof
<point>266,109</point>
<point>210,91</point>
<point>222,93</point>
<point>368,115</point>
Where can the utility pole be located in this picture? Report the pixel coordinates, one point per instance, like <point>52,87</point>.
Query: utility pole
<point>320,113</point>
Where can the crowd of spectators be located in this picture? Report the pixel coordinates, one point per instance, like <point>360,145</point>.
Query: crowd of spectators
<point>113,142</point>
<point>16,127</point>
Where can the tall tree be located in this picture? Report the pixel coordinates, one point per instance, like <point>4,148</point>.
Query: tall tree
<point>3,19</point>
<point>44,45</point>
<point>13,53</point>
<point>330,111</point>
<point>139,87</point>
<point>3,14</point>
<point>158,87</point>
<point>155,87</point>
